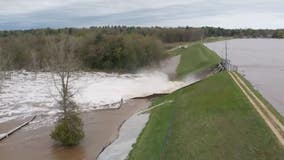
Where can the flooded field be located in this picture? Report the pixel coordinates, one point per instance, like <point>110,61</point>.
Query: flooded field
<point>25,94</point>
<point>262,63</point>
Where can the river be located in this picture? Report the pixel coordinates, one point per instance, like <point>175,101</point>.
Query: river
<point>261,61</point>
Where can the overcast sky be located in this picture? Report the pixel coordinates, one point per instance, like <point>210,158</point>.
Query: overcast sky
<point>27,14</point>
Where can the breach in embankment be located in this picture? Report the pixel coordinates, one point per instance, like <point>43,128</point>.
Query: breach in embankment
<point>212,119</point>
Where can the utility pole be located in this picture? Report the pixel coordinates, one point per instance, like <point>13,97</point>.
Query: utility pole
<point>226,55</point>
<point>226,51</point>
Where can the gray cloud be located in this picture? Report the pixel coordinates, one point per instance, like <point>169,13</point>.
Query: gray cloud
<point>70,13</point>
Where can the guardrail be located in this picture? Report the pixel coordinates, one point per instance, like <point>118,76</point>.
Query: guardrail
<point>229,66</point>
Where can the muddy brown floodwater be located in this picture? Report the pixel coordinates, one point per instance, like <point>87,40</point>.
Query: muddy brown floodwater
<point>262,63</point>
<point>101,128</point>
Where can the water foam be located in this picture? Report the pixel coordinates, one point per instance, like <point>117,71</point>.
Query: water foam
<point>23,95</point>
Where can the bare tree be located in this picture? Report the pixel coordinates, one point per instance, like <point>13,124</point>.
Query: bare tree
<point>63,64</point>
<point>34,63</point>
<point>3,67</point>
<point>5,61</point>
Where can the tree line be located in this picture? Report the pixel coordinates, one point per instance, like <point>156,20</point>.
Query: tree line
<point>165,34</point>
<point>119,48</point>
<point>120,52</point>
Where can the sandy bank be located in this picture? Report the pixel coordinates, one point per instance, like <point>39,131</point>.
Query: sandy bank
<point>101,128</point>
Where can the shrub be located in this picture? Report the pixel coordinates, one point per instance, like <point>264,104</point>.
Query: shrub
<point>68,130</point>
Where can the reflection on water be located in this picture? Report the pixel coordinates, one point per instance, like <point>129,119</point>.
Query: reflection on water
<point>60,152</point>
<point>262,63</point>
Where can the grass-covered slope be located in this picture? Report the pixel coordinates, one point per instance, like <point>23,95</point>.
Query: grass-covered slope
<point>270,107</point>
<point>209,120</point>
<point>195,58</point>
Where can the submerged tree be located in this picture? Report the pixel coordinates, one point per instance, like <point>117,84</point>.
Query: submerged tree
<point>69,127</point>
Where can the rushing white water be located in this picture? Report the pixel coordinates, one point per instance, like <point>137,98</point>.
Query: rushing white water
<point>22,95</point>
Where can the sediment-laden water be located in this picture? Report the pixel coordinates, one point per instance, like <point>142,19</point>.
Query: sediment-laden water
<point>23,95</point>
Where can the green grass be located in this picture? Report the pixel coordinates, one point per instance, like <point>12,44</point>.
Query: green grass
<point>169,46</point>
<point>210,120</point>
<point>195,58</point>
<point>153,135</point>
<point>270,107</point>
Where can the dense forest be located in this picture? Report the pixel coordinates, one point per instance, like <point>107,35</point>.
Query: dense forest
<point>119,52</point>
<point>118,48</point>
